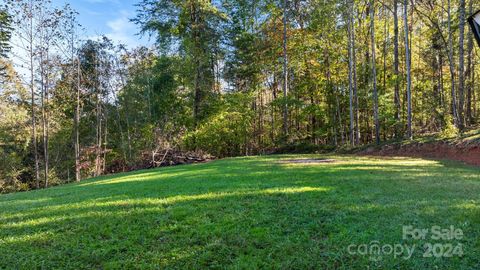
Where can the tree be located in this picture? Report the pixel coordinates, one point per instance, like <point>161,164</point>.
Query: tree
<point>14,135</point>
<point>456,117</point>
<point>97,69</point>
<point>230,77</point>
<point>374,73</point>
<point>354,70</point>
<point>461,63</point>
<point>26,23</point>
<point>48,36</point>
<point>191,28</point>
<point>396,72</point>
<point>5,35</point>
<point>469,72</point>
<point>285,71</point>
<point>408,65</point>
<point>71,27</point>
<point>351,67</point>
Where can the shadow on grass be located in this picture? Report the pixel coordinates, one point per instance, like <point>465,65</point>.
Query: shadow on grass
<point>245,212</point>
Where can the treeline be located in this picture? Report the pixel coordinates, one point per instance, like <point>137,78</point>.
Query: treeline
<point>228,78</point>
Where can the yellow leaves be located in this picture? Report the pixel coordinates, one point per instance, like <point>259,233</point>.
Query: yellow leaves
<point>313,62</point>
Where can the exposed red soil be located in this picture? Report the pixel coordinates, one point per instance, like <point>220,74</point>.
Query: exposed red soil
<point>466,152</point>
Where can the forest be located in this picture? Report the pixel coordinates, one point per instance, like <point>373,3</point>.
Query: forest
<point>227,78</point>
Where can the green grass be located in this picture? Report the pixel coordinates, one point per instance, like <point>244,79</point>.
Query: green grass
<point>244,213</point>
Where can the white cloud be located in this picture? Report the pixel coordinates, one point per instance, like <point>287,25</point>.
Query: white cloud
<point>122,30</point>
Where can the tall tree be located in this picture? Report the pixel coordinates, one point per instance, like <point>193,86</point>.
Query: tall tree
<point>374,73</point>
<point>456,117</point>
<point>285,71</point>
<point>351,79</point>
<point>409,77</point>
<point>5,35</point>
<point>48,35</point>
<point>71,27</point>
<point>355,129</point>
<point>461,62</point>
<point>396,64</point>
<point>469,72</point>
<point>26,24</point>
<point>191,28</point>
<point>355,86</point>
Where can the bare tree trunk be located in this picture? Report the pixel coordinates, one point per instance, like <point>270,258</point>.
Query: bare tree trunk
<point>374,73</point>
<point>386,33</point>
<point>32,90</point>
<point>350,76</point>
<point>44,99</point>
<point>127,123</point>
<point>197,94</point>
<point>355,140</point>
<point>98,147</point>
<point>452,67</point>
<point>409,79</point>
<point>46,139</point>
<point>355,88</point>
<point>339,112</point>
<point>105,143</point>
<point>396,72</point>
<point>195,20</point>
<point>99,138</point>
<point>474,95</point>
<point>78,174</point>
<point>285,72</point>
<point>442,93</point>
<point>461,61</point>
<point>468,79</point>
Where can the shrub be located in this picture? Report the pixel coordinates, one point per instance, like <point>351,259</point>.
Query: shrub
<point>449,130</point>
<point>224,134</point>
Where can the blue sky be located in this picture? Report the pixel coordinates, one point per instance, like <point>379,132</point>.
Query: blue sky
<point>109,17</point>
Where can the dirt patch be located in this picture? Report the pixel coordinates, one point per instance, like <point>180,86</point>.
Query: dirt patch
<point>308,161</point>
<point>468,153</point>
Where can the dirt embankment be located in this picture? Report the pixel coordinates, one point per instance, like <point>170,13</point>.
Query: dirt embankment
<point>466,151</point>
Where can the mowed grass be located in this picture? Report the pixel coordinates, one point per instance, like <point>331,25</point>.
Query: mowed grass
<point>245,213</point>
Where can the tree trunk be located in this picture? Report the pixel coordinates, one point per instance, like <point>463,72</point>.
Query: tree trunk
<point>409,80</point>
<point>105,142</point>
<point>197,95</point>
<point>44,102</point>
<point>32,90</point>
<point>468,79</point>
<point>285,72</point>
<point>350,76</point>
<point>374,73</point>
<point>354,74</point>
<point>98,147</point>
<point>461,61</point>
<point>396,73</point>
<point>76,126</point>
<point>452,68</point>
<point>194,17</point>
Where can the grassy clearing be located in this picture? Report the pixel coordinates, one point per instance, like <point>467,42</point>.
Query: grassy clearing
<point>244,213</point>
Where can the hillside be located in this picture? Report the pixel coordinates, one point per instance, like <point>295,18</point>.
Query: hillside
<point>464,148</point>
<point>244,213</point>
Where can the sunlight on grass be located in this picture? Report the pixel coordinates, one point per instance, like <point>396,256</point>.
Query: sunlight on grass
<point>154,202</point>
<point>131,178</point>
<point>469,205</point>
<point>246,213</point>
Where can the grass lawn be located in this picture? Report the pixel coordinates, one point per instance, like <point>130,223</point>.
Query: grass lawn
<point>247,213</point>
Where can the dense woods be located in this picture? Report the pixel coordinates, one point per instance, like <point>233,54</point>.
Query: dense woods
<point>227,78</point>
